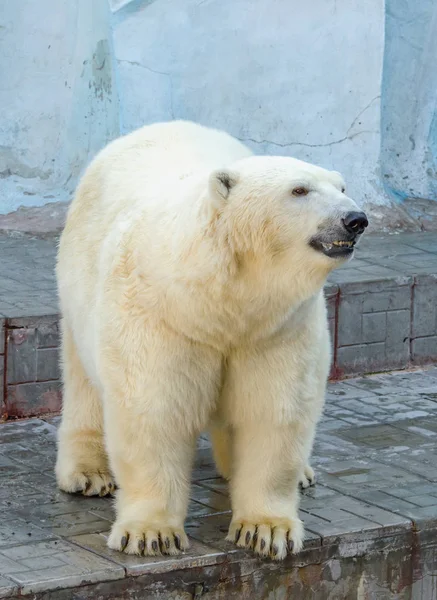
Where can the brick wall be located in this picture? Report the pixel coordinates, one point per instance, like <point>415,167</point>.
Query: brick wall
<point>2,369</point>
<point>32,378</point>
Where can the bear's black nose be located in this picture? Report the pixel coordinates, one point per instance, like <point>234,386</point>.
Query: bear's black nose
<point>355,222</point>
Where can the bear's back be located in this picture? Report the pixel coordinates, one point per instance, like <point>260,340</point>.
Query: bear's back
<point>141,167</point>
<point>136,182</point>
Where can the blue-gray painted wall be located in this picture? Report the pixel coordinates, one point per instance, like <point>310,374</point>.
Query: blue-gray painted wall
<point>317,80</point>
<point>409,100</point>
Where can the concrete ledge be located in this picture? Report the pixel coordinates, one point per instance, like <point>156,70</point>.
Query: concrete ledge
<point>382,310</point>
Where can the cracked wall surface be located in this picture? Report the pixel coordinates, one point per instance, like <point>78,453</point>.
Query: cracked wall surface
<point>308,86</point>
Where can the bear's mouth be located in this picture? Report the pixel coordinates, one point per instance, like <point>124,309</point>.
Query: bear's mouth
<point>334,249</point>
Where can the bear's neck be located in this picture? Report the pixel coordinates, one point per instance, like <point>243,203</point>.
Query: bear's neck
<point>246,291</point>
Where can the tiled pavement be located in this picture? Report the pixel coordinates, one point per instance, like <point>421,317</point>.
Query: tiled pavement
<point>28,288</point>
<point>371,520</point>
<point>27,277</point>
<point>382,312</point>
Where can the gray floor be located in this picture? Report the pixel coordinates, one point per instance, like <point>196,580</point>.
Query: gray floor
<point>27,277</point>
<point>375,457</point>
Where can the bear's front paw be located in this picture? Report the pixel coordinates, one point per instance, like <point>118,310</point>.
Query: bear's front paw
<point>307,478</point>
<point>147,538</point>
<point>87,483</point>
<point>268,536</point>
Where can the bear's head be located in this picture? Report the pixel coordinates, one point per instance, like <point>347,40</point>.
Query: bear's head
<point>280,206</point>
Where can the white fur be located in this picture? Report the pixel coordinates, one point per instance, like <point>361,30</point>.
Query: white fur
<point>192,300</point>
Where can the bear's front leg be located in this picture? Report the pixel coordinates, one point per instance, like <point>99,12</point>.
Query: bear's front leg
<point>264,489</point>
<point>153,469</point>
<point>158,394</point>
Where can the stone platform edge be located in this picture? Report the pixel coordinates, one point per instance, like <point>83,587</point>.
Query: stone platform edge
<point>382,562</point>
<point>376,326</point>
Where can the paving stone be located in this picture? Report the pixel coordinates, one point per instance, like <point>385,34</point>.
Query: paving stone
<point>24,484</point>
<point>384,500</point>
<point>208,497</point>
<point>48,334</point>
<point>346,390</point>
<point>7,587</point>
<point>424,349</point>
<point>10,467</point>
<point>20,430</point>
<point>374,327</point>
<point>345,529</point>
<point>56,421</point>
<point>75,523</point>
<point>33,398</point>
<point>20,531</point>
<point>58,564</point>
<point>198,555</point>
<point>47,364</point>
<point>21,351</point>
<point>2,336</point>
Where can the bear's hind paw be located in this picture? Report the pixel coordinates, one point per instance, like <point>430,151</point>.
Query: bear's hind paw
<point>307,478</point>
<point>89,484</point>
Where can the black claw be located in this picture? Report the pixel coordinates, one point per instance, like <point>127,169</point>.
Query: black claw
<point>262,545</point>
<point>177,541</point>
<point>167,543</point>
<point>124,541</point>
<point>141,546</point>
<point>103,491</point>
<point>275,550</point>
<point>247,540</point>
<point>290,545</point>
<point>155,546</point>
<point>237,535</point>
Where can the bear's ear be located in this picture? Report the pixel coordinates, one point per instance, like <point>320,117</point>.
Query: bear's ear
<point>221,183</point>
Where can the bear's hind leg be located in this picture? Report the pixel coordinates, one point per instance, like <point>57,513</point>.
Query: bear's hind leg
<point>82,463</point>
<point>221,448</point>
<point>307,478</point>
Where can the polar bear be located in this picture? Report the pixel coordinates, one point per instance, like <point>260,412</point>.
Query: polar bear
<point>190,281</point>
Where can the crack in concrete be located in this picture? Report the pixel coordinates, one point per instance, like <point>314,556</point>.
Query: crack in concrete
<point>286,145</point>
<point>163,73</point>
<point>333,143</point>
<point>362,112</point>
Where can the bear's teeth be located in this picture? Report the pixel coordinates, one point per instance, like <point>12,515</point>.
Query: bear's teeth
<point>348,244</point>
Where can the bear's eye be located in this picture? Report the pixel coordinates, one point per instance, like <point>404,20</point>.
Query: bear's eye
<point>300,191</point>
<point>343,190</point>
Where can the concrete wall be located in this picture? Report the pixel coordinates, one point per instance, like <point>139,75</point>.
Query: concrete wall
<point>287,77</point>
<point>409,100</point>
<point>57,99</point>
